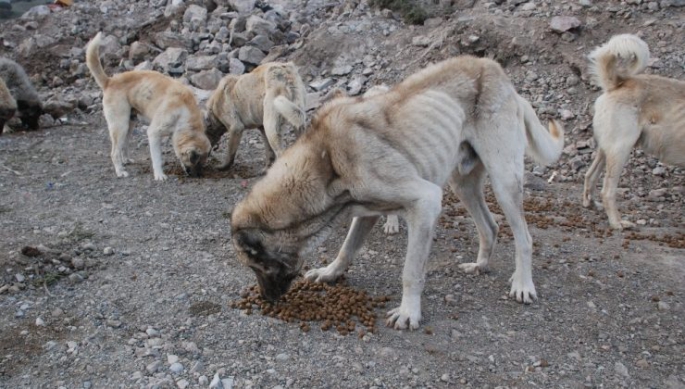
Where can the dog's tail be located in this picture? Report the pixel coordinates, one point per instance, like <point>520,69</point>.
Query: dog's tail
<point>93,61</point>
<point>294,114</point>
<point>619,59</point>
<point>543,145</point>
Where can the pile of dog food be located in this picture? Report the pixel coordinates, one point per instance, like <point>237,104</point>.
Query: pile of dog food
<point>333,306</point>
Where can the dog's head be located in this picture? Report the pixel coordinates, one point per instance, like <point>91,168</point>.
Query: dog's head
<point>29,113</point>
<point>192,150</point>
<point>288,213</point>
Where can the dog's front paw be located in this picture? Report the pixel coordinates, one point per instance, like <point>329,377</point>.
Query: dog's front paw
<point>392,225</point>
<point>324,274</point>
<point>522,290</point>
<point>122,173</point>
<point>160,177</point>
<point>587,201</point>
<point>404,317</point>
<point>473,268</point>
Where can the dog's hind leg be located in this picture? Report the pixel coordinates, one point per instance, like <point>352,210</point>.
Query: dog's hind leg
<point>591,178</point>
<point>353,242</point>
<point>469,189</point>
<point>268,151</point>
<point>505,166</point>
<point>117,116</point>
<point>614,166</point>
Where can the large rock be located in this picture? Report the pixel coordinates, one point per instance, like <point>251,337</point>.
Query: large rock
<point>262,42</point>
<point>166,39</point>
<point>564,23</point>
<point>258,26</point>
<point>201,62</point>
<point>236,66</point>
<point>138,52</point>
<point>195,15</point>
<point>109,45</point>
<point>207,79</point>
<point>173,7</point>
<point>242,6</point>
<point>36,12</point>
<point>171,60</point>
<point>251,55</point>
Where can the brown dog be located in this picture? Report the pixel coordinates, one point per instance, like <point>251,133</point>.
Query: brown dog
<point>7,105</point>
<point>634,110</point>
<point>169,105</point>
<point>391,153</point>
<point>259,99</point>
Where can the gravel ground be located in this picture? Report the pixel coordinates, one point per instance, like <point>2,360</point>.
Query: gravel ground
<point>127,283</point>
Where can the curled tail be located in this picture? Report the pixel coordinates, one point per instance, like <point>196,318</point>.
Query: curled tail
<point>93,61</point>
<point>284,83</point>
<point>293,113</point>
<point>543,145</point>
<point>619,59</point>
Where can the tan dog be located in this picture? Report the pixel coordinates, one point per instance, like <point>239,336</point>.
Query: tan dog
<point>169,105</point>
<point>634,110</point>
<point>8,106</point>
<point>259,99</point>
<point>452,122</point>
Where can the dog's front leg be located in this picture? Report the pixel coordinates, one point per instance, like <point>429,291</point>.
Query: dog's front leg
<point>234,134</point>
<point>156,154</point>
<point>421,215</point>
<point>353,242</point>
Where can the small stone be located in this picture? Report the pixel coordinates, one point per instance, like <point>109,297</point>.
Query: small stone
<point>659,171</point>
<point>445,378</point>
<point>663,306</point>
<point>176,368</point>
<point>282,357</point>
<point>621,370</point>
<point>78,263</point>
<point>341,70</point>
<point>113,323</point>
<point>171,358</point>
<point>203,380</point>
<point>153,367</point>
<point>251,55</point>
<point>151,332</point>
<point>421,41</point>
<point>40,322</point>
<point>320,85</point>
<point>182,384</point>
<point>20,277</point>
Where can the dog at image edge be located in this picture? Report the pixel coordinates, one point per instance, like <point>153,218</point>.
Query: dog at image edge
<point>635,110</point>
<point>17,83</point>
<point>260,99</point>
<point>363,157</point>
<point>169,105</point>
<point>8,106</point>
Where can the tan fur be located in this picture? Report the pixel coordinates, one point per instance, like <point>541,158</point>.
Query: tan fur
<point>392,152</point>
<point>8,106</point>
<point>259,99</point>
<point>29,107</point>
<point>169,105</point>
<point>635,110</point>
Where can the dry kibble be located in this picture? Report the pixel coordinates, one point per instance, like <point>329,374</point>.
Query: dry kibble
<point>333,305</point>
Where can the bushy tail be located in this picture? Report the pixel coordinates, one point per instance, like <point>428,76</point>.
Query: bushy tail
<point>294,114</point>
<point>93,61</point>
<point>619,59</point>
<point>543,145</point>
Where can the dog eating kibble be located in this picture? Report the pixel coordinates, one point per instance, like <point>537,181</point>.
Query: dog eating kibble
<point>334,306</point>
